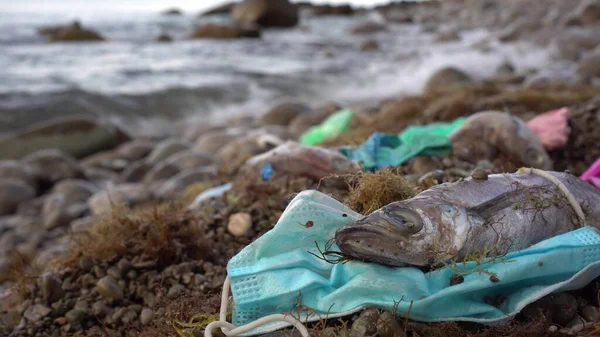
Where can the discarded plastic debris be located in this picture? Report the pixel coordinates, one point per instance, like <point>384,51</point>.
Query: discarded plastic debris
<point>332,127</point>
<point>301,160</point>
<point>453,221</point>
<point>552,128</point>
<point>210,193</point>
<point>269,276</point>
<point>267,172</point>
<point>486,134</point>
<point>382,149</point>
<point>592,175</point>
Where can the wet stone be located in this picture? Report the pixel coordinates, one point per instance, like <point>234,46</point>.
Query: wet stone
<point>590,313</point>
<point>109,289</point>
<point>364,326</point>
<point>146,316</point>
<point>175,291</point>
<point>76,316</point>
<point>388,326</point>
<point>51,288</point>
<point>565,308</point>
<point>86,264</point>
<point>36,312</point>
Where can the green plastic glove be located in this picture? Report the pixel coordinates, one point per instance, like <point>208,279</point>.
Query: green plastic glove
<point>332,127</point>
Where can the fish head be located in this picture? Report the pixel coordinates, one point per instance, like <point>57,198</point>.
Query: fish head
<point>414,232</point>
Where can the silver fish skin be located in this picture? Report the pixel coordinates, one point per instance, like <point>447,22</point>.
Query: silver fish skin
<point>505,213</point>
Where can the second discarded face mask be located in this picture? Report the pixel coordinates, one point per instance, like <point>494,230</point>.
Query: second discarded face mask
<point>277,271</point>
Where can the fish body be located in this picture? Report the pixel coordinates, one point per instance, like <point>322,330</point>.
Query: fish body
<point>451,221</point>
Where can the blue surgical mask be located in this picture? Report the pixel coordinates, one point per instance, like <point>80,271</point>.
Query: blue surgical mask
<point>277,271</point>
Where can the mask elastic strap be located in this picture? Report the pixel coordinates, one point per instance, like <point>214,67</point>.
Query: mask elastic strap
<point>231,331</point>
<point>562,188</point>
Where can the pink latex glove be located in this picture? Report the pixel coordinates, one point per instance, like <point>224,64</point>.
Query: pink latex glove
<point>552,128</point>
<point>592,175</point>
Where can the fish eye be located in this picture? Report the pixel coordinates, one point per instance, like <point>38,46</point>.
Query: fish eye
<point>407,220</point>
<point>449,210</point>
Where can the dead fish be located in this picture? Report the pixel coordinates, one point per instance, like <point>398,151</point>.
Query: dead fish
<point>448,222</point>
<point>301,160</point>
<point>486,133</point>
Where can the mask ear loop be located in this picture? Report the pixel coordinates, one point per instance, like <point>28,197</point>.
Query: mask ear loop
<point>231,331</point>
<point>562,188</point>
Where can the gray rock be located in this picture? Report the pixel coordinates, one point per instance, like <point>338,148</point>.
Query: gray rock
<point>266,13</point>
<point>135,172</point>
<point>120,195</point>
<point>76,316</point>
<point>76,135</point>
<point>590,313</point>
<point>183,180</point>
<point>36,312</point>
<point>146,316</point>
<point>13,192</point>
<point>565,308</point>
<point>32,207</point>
<point>134,150</point>
<point>109,289</point>
<point>186,160</point>
<point>388,326</point>
<point>100,176</point>
<point>54,212</point>
<point>86,264</point>
<point>283,113</point>
<point>100,309</point>
<point>447,79</point>
<point>82,225</point>
<point>12,169</point>
<point>124,266</point>
<point>214,141</point>
<point>52,166</point>
<point>75,190</point>
<point>161,171</point>
<point>51,288</point>
<point>166,149</point>
<point>589,67</point>
<point>364,326</point>
<point>175,291</point>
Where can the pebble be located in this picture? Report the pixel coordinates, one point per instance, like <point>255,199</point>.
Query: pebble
<point>100,309</point>
<point>565,308</point>
<point>590,313</point>
<point>124,266</point>
<point>167,148</point>
<point>388,326</point>
<point>51,166</point>
<point>36,312</point>
<point>364,326</point>
<point>161,171</point>
<point>52,290</point>
<point>239,224</point>
<point>114,272</point>
<point>134,150</point>
<point>146,316</point>
<point>175,291</point>
<point>13,192</point>
<point>109,289</point>
<point>479,174</point>
<point>76,316</point>
<point>86,264</point>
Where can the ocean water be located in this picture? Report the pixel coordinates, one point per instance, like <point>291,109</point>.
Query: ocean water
<point>156,88</point>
